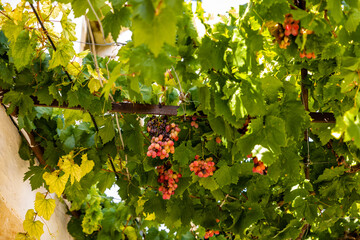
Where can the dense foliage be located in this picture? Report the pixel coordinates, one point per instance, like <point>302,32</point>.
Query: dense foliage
<point>242,160</point>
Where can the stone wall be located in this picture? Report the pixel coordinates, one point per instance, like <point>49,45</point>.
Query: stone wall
<point>16,196</point>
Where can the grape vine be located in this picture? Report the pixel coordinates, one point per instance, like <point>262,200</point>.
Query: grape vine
<point>252,96</point>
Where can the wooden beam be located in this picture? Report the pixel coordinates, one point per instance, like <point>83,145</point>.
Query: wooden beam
<point>137,108</point>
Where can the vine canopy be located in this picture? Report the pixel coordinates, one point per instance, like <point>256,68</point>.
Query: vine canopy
<point>242,157</point>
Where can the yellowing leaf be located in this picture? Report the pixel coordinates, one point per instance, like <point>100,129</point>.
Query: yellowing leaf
<point>24,236</point>
<point>63,54</point>
<point>83,54</point>
<point>34,228</point>
<point>44,207</point>
<point>86,165</point>
<point>72,169</point>
<point>74,68</point>
<point>150,217</point>
<point>94,85</point>
<point>56,183</point>
<point>130,233</point>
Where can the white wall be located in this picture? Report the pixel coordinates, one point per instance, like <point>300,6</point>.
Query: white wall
<point>16,194</point>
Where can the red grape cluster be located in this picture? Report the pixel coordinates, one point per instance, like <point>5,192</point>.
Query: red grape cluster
<point>282,32</point>
<point>203,168</point>
<point>244,129</point>
<point>308,55</point>
<point>210,233</point>
<point>168,179</point>
<point>193,123</point>
<point>291,25</point>
<point>163,134</point>
<point>259,167</point>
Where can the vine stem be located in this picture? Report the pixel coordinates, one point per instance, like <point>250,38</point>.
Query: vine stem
<point>102,85</point>
<point>1,12</point>
<point>47,35</point>
<point>181,90</point>
<point>113,166</point>
<point>98,19</point>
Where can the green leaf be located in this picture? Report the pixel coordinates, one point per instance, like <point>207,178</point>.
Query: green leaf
<point>93,214</point>
<point>34,228</point>
<point>132,134</point>
<point>330,174</point>
<point>63,54</point>
<point>106,129</point>
<point>157,22</point>
<point>225,175</point>
<point>44,207</point>
<point>22,50</point>
<point>211,54</point>
<point>35,176</point>
<point>184,153</point>
<point>271,85</point>
<point>353,20</point>
<point>323,130</point>
<point>275,133</point>
<point>204,97</point>
<point>24,102</point>
<point>335,10</point>
<point>208,183</point>
<point>120,17</point>
<point>151,67</point>
<point>253,214</point>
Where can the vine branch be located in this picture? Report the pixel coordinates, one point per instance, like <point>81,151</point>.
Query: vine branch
<point>47,35</point>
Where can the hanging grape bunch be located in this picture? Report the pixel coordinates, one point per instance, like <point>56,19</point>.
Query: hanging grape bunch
<point>282,32</point>
<point>168,179</point>
<point>203,168</point>
<point>210,233</point>
<point>259,167</point>
<point>163,134</point>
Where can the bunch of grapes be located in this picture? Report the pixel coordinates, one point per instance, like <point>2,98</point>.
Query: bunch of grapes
<point>308,55</point>
<point>244,129</point>
<point>168,179</point>
<point>210,233</point>
<point>291,25</point>
<point>277,30</point>
<point>193,123</point>
<point>163,135</point>
<point>259,167</point>
<point>282,32</point>
<point>203,168</point>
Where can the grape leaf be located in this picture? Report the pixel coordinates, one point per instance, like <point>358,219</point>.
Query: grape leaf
<point>209,183</point>
<point>72,169</point>
<point>44,207</point>
<point>225,175</point>
<point>159,25</point>
<point>184,153</point>
<point>353,20</point>
<point>63,54</point>
<point>211,54</point>
<point>275,133</point>
<point>34,228</point>
<point>122,19</point>
<point>106,129</point>
<point>22,50</point>
<point>34,175</point>
<point>56,183</point>
<point>86,165</point>
<point>335,11</point>
<point>24,236</point>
